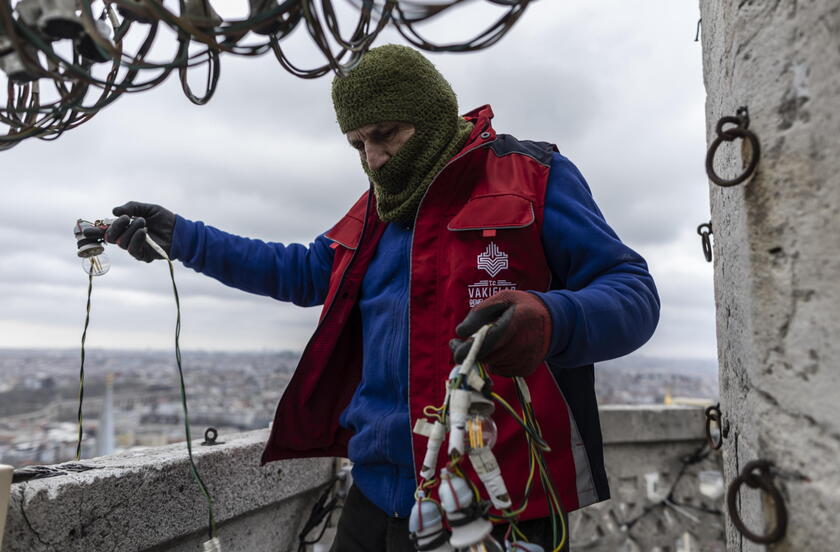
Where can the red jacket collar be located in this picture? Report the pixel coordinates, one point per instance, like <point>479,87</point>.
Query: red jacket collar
<point>482,131</point>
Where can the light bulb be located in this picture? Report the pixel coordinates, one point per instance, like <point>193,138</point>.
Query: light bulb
<point>481,432</point>
<point>91,251</point>
<point>487,545</point>
<point>96,265</point>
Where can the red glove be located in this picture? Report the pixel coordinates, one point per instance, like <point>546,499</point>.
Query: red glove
<point>519,339</point>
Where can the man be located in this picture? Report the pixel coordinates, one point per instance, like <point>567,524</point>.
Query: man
<point>464,227</point>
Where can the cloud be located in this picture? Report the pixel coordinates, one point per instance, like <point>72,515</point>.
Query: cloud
<point>617,87</point>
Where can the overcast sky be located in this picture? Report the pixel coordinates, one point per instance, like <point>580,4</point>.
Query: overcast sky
<point>616,85</point>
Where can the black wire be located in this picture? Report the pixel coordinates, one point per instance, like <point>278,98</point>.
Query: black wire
<point>48,121</point>
<point>183,389</point>
<point>698,455</point>
<point>321,511</point>
<point>82,369</point>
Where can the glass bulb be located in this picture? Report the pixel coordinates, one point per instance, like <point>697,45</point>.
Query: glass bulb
<point>480,432</point>
<point>487,545</point>
<point>96,265</point>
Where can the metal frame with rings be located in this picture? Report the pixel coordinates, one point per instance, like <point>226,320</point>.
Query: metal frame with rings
<point>704,239</point>
<point>741,130</point>
<point>764,482</point>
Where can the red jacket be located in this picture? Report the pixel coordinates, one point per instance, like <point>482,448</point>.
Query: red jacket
<point>490,195</point>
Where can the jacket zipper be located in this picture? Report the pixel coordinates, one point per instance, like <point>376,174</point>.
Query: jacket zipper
<point>410,274</point>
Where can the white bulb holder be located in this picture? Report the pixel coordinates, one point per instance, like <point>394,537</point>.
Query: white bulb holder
<point>479,404</point>
<point>470,534</point>
<point>86,247</point>
<point>426,528</point>
<point>6,473</point>
<point>438,432</point>
<point>485,465</point>
<point>466,518</point>
<point>18,71</point>
<point>459,405</point>
<point>29,12</point>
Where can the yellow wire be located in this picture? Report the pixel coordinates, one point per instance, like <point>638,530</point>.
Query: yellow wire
<point>433,412</point>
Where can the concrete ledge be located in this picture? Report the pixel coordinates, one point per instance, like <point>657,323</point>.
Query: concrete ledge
<point>142,500</point>
<point>651,423</point>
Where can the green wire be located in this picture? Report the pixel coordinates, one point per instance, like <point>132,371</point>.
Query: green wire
<point>82,369</point>
<point>196,475</point>
<point>193,468</point>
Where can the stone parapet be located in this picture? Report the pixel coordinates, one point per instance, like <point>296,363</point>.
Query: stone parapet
<point>148,501</point>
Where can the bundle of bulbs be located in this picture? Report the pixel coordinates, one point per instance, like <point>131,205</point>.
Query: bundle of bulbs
<point>83,48</point>
<point>466,416</point>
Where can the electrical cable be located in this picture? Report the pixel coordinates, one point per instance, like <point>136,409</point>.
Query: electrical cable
<point>182,385</point>
<point>697,456</point>
<point>82,370</point>
<point>27,54</point>
<point>211,517</point>
<point>321,512</point>
<point>533,435</point>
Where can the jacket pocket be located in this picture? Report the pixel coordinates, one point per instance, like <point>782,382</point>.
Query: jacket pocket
<point>494,212</point>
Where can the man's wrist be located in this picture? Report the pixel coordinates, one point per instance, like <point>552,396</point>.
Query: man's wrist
<point>561,309</point>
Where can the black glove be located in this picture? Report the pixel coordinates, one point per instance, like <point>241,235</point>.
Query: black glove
<point>519,338</point>
<point>129,230</point>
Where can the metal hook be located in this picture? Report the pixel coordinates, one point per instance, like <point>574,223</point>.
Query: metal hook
<point>741,120</point>
<point>705,231</point>
<point>713,414</point>
<point>210,436</point>
<point>762,480</point>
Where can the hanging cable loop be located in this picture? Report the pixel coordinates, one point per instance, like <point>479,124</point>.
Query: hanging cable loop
<point>741,120</point>
<point>713,414</point>
<point>758,475</point>
<point>108,56</point>
<point>705,232</point>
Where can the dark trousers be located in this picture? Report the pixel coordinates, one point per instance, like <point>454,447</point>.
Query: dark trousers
<point>363,527</point>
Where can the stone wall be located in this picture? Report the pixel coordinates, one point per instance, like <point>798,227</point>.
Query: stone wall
<point>777,257</point>
<point>148,501</point>
<point>644,449</point>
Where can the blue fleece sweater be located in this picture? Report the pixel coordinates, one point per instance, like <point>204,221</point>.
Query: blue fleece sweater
<point>604,305</point>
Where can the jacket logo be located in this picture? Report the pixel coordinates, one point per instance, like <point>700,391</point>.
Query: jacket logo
<point>480,291</point>
<point>492,260</point>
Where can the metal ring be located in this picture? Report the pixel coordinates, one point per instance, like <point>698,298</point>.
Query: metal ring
<point>741,130</point>
<point>762,481</point>
<point>210,436</point>
<point>729,120</point>
<point>705,230</point>
<point>713,414</point>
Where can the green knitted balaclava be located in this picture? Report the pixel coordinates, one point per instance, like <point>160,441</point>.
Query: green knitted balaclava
<point>396,83</point>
